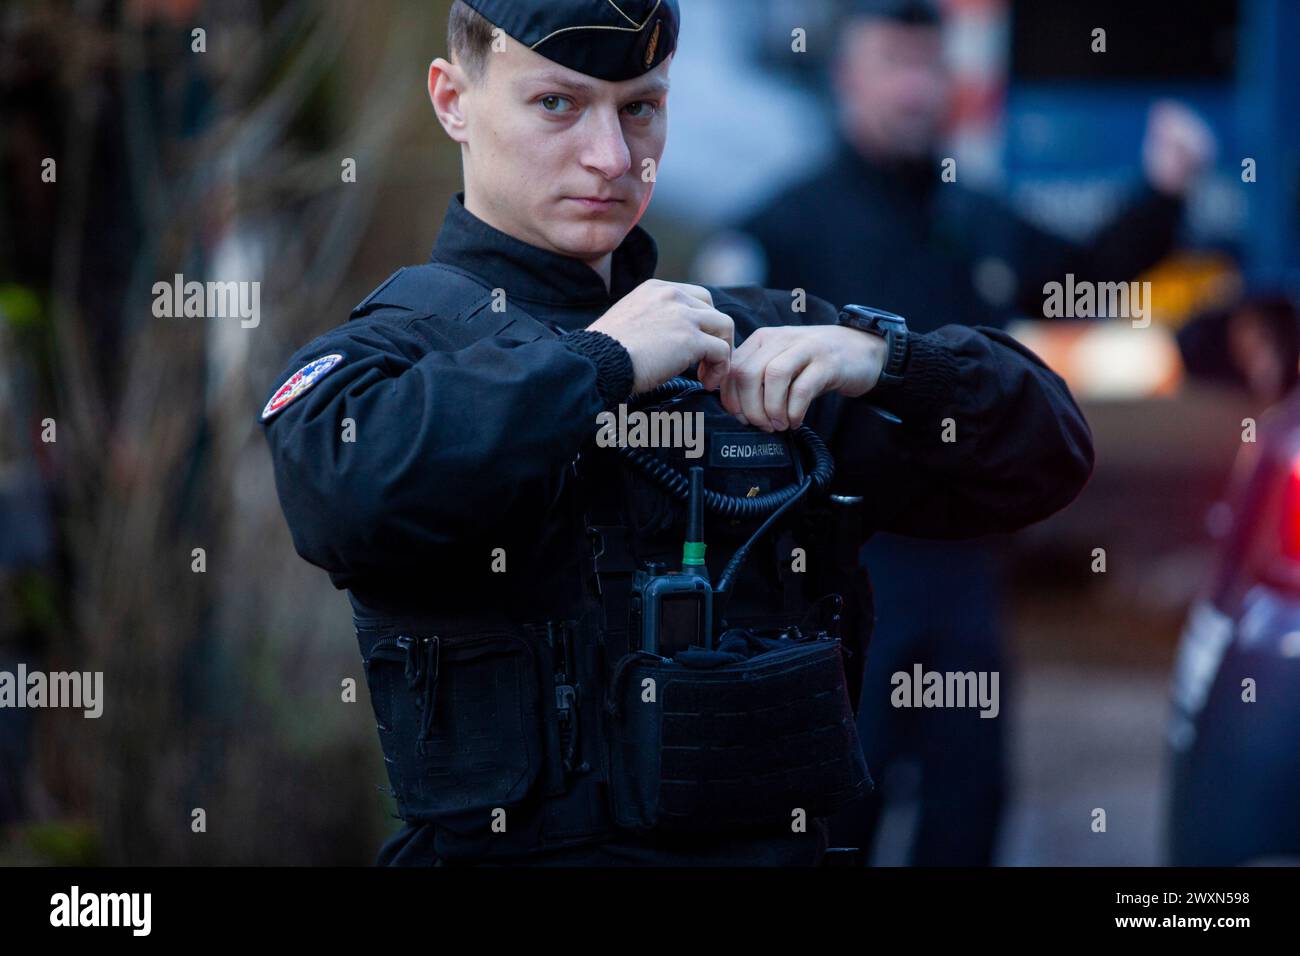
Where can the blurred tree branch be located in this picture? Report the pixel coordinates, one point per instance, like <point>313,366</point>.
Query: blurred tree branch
<point>185,154</point>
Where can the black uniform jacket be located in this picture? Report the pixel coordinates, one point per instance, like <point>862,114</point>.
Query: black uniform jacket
<point>458,451</point>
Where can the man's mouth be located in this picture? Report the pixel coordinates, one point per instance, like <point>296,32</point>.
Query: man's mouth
<point>594,202</point>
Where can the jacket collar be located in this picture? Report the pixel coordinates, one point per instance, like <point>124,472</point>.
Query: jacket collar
<point>539,275</point>
<point>913,177</point>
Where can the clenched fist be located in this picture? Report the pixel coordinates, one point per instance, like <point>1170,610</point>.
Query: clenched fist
<point>667,327</point>
<point>1179,146</point>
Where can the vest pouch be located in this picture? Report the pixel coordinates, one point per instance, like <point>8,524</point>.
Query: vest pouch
<point>459,716</point>
<point>743,744</point>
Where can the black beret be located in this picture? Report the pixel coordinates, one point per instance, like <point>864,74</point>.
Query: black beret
<point>608,39</point>
<point>914,12</point>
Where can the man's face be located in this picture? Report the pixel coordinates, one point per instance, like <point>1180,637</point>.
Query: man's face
<point>893,87</point>
<point>545,144</point>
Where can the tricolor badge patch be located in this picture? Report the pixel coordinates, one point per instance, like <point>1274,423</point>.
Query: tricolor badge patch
<point>299,382</point>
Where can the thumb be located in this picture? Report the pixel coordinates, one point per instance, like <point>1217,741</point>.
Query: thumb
<point>711,373</point>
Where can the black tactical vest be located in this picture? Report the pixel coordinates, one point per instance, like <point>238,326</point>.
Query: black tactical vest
<point>513,735</point>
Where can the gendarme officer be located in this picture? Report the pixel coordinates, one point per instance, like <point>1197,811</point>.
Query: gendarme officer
<point>550,682</point>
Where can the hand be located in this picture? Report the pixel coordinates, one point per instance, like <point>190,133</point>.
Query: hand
<point>667,327</point>
<point>1179,146</point>
<point>779,370</point>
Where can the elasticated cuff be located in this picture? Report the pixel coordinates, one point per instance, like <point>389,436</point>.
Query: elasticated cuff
<point>929,379</point>
<point>614,375</point>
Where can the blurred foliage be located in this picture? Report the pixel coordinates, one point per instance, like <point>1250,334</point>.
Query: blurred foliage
<point>62,843</point>
<point>35,602</point>
<point>223,689</point>
<point>20,306</point>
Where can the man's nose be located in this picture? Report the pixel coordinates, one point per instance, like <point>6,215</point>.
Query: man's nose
<point>605,150</point>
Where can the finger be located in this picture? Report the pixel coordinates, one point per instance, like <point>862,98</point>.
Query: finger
<point>708,375</point>
<point>749,392</point>
<point>697,292</point>
<point>810,383</point>
<point>712,374</point>
<point>752,344</point>
<point>713,352</point>
<point>741,359</point>
<point>728,393</point>
<point>747,370</point>
<point>716,323</point>
<point>779,372</point>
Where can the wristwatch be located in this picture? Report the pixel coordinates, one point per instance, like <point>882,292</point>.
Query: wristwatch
<point>890,327</point>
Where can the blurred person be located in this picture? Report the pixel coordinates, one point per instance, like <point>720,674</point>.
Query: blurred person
<point>878,223</point>
<point>1253,343</point>
<point>437,454</point>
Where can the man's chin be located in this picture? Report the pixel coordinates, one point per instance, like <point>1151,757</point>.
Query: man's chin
<point>590,240</point>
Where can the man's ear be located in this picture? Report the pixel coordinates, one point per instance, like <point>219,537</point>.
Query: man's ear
<point>447,86</point>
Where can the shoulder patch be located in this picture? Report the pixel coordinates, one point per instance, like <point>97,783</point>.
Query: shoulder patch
<point>299,382</point>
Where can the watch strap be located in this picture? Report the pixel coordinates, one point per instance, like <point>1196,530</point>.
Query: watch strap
<point>893,329</point>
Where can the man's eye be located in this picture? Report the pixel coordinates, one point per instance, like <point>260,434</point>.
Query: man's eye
<point>647,109</point>
<point>551,103</point>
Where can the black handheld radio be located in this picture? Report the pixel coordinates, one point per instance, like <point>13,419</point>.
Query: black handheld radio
<point>673,610</point>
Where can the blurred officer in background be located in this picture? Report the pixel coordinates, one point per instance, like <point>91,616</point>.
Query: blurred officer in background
<point>878,223</point>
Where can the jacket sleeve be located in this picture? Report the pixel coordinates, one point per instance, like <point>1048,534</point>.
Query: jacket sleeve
<point>442,445</point>
<point>991,439</point>
<point>1136,238</point>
